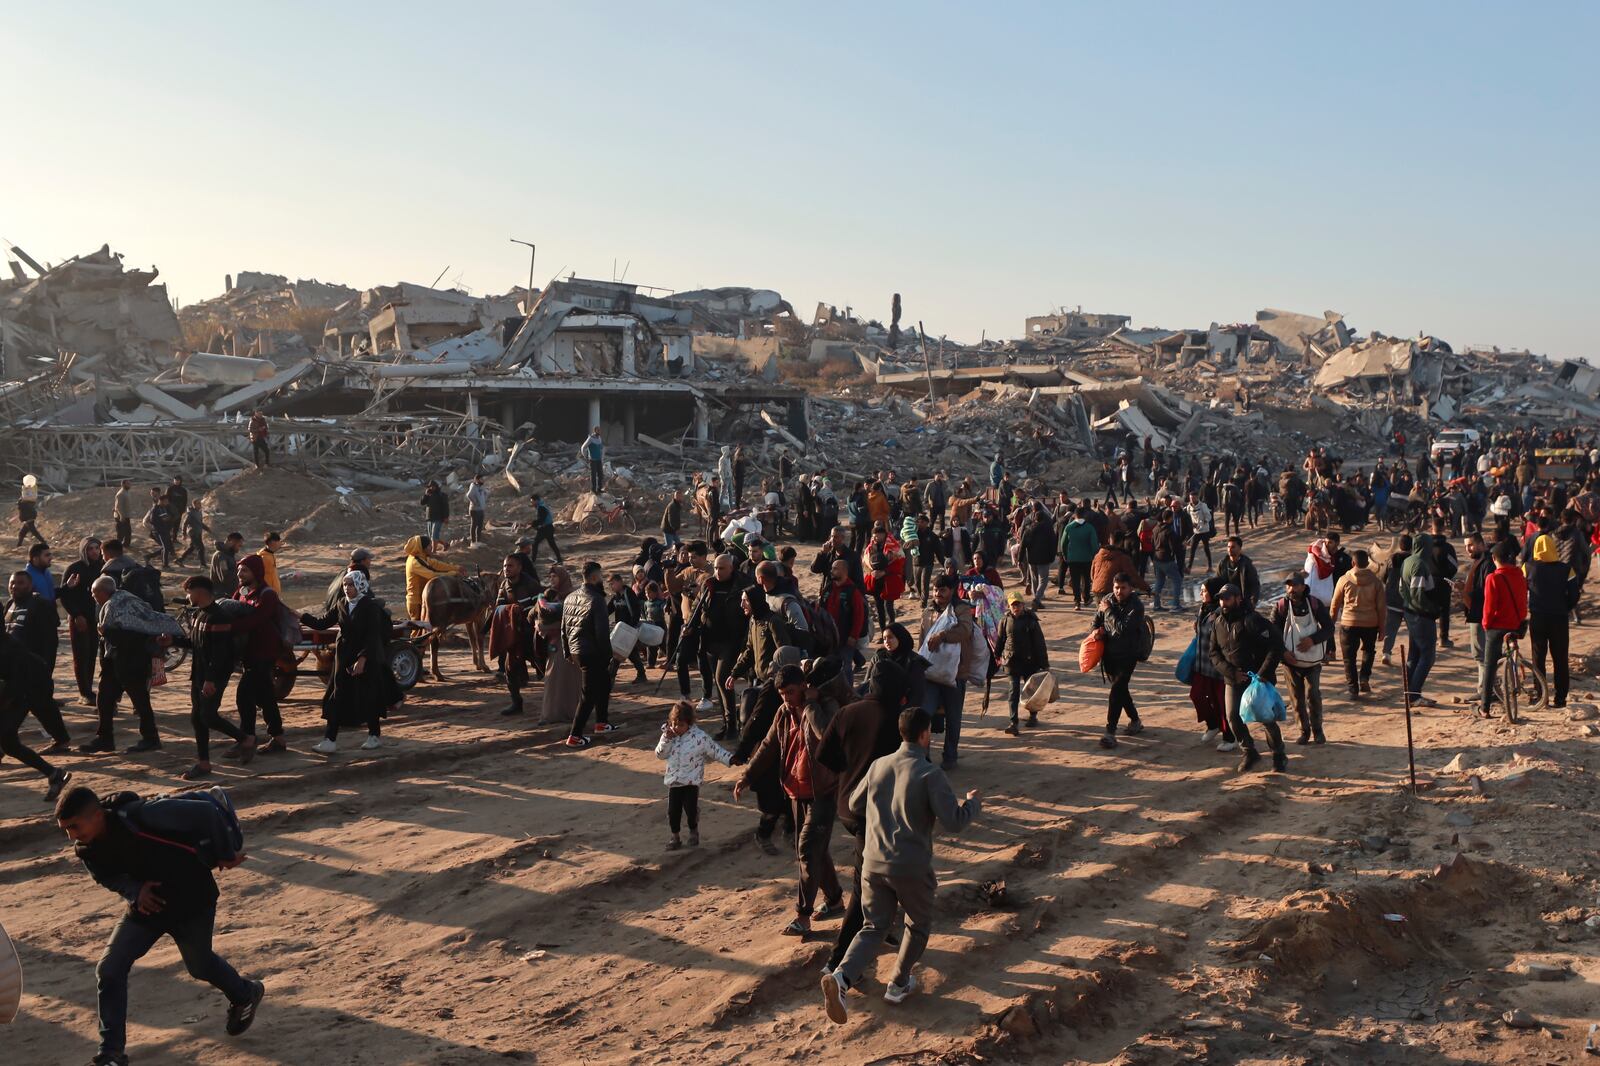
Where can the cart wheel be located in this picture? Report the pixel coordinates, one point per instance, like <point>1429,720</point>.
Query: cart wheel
<point>406,662</point>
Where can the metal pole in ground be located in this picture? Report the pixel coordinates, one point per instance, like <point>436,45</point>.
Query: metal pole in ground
<point>1411,751</point>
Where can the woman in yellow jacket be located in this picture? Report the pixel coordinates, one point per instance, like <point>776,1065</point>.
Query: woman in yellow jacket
<point>421,568</point>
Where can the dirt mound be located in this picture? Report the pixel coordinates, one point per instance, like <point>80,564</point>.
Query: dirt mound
<point>258,500</point>
<point>1326,938</point>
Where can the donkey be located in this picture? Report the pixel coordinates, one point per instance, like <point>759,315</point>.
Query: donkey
<point>455,599</point>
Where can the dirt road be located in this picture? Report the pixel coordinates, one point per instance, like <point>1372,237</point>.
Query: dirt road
<point>473,892</point>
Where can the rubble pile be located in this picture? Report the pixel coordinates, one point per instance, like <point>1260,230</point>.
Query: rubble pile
<point>263,316</point>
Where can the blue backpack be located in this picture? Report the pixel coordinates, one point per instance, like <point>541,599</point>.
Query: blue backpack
<point>203,821</point>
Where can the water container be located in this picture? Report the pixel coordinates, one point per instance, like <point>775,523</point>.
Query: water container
<point>651,636</point>
<point>623,639</point>
<point>10,980</point>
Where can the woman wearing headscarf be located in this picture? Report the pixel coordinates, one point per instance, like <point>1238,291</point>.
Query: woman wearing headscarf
<point>768,632</point>
<point>356,691</point>
<point>897,649</point>
<point>562,678</point>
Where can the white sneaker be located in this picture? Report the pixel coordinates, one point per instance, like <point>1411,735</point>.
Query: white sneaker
<point>1228,745</point>
<point>1209,735</point>
<point>371,744</point>
<point>833,998</point>
<point>705,705</point>
<point>898,993</point>
<point>325,746</point>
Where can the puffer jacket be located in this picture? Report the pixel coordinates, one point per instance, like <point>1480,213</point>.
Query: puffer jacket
<point>1244,642</point>
<point>1021,645</point>
<point>421,568</point>
<point>1358,600</point>
<point>1108,563</point>
<point>584,635</point>
<point>1120,623</point>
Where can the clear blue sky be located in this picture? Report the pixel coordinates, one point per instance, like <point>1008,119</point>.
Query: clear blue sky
<point>1416,166</point>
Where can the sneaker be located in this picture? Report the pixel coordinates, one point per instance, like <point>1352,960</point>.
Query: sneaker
<point>578,742</point>
<point>1354,693</point>
<point>1011,728</point>
<point>106,1058</point>
<point>510,711</point>
<point>372,743</point>
<point>325,746</point>
<point>275,744</point>
<point>675,843</point>
<point>704,706</point>
<point>1386,661</point>
<point>1304,737</point>
<point>766,844</point>
<point>828,910</point>
<point>1251,757</point>
<point>1108,741</point>
<point>196,773</point>
<point>799,927</point>
<point>1424,701</point>
<point>694,838</point>
<point>60,747</point>
<point>143,746</point>
<point>240,1015</point>
<point>96,747</point>
<point>605,727</point>
<point>58,781</point>
<point>1210,735</point>
<point>1366,688</point>
<point>1228,745</point>
<point>833,989</point>
<point>1280,762</point>
<point>898,993</point>
<point>1133,728</point>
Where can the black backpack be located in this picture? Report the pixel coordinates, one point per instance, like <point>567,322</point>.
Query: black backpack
<point>145,583</point>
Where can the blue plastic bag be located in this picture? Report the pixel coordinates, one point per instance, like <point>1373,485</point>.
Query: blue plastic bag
<point>1261,703</point>
<point>1185,669</point>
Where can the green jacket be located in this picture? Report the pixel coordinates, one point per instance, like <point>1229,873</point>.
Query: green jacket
<point>1079,542</point>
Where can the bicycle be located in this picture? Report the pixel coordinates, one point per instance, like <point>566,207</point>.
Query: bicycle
<point>598,519</point>
<point>1519,684</point>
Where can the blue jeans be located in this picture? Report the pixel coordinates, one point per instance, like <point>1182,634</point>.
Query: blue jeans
<point>944,703</point>
<point>1423,635</point>
<point>435,531</point>
<point>670,540</point>
<point>1165,572</point>
<point>132,939</point>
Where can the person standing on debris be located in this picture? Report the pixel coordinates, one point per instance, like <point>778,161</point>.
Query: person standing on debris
<point>1306,628</point>
<point>1358,608</point>
<point>725,479</point>
<point>1244,643</point>
<point>122,511</point>
<point>739,469</point>
<point>194,524</point>
<point>592,448</point>
<point>124,668</point>
<point>260,450</point>
<point>435,510</point>
<point>586,640</point>
<point>477,508</point>
<point>145,851</point>
<point>80,608</point>
<point>255,691</point>
<point>210,667</point>
<point>997,475</point>
<point>225,566</point>
<point>544,529</point>
<point>899,800</point>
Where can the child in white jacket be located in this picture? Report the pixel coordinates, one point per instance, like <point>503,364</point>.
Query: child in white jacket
<point>686,747</point>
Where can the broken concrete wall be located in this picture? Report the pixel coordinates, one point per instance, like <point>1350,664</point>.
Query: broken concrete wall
<point>759,354</point>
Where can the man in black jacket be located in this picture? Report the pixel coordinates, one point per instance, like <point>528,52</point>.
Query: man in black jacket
<point>145,852</point>
<point>211,664</point>
<point>79,605</point>
<point>718,618</point>
<point>1120,624</point>
<point>124,668</point>
<point>586,640</point>
<point>1242,643</point>
<point>836,549</point>
<point>1021,648</point>
<point>32,619</point>
<point>1237,569</point>
<point>26,689</point>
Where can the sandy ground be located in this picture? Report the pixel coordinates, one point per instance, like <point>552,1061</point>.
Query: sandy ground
<point>473,892</point>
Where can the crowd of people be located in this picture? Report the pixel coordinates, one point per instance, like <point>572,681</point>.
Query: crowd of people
<point>824,678</point>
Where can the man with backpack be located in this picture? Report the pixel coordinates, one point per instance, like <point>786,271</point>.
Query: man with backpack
<point>158,854</point>
<point>792,608</point>
<point>125,656</point>
<point>264,630</point>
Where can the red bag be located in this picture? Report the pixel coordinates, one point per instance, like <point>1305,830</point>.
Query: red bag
<point>1090,653</point>
<point>158,671</point>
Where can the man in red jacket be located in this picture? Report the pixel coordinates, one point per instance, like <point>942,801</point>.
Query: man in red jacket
<point>1505,614</point>
<point>255,690</point>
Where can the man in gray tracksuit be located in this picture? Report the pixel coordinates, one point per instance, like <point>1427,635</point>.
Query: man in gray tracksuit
<point>900,799</point>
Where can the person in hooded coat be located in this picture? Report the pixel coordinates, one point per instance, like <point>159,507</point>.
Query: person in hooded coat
<point>421,568</point>
<point>898,649</point>
<point>761,706</point>
<point>356,691</point>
